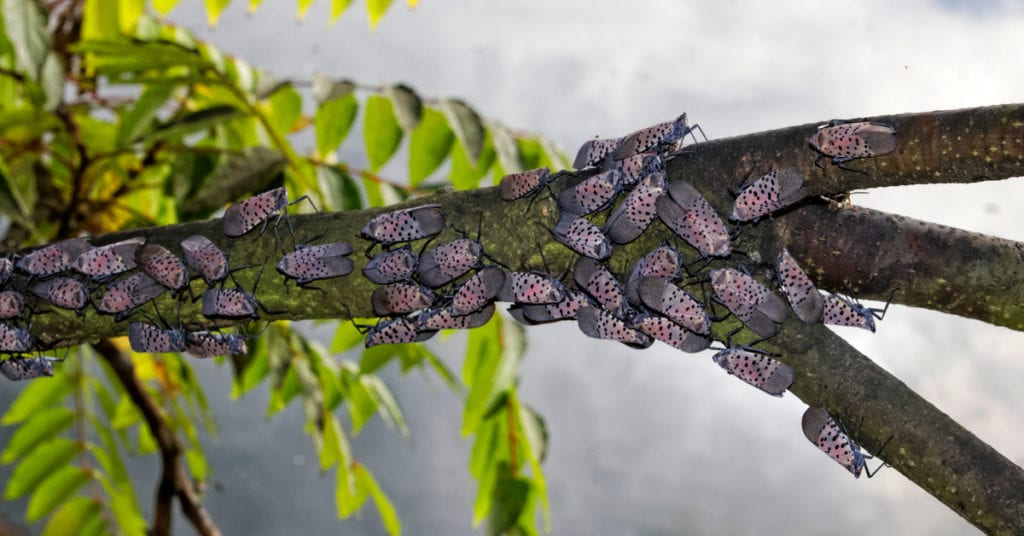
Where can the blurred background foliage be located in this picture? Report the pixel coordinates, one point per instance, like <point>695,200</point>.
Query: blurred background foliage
<point>113,119</point>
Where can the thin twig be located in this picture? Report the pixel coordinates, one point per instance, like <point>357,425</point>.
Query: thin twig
<point>174,481</point>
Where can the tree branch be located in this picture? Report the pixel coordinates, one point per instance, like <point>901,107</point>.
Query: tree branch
<point>174,482</point>
<point>875,252</point>
<point>868,253</point>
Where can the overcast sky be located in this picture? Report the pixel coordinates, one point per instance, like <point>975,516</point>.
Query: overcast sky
<point>656,442</point>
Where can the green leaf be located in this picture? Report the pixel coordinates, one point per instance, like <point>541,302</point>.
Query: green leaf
<point>283,109</point>
<point>381,131</point>
<point>339,189</point>
<point>466,175</point>
<point>147,443</point>
<point>252,170</point>
<point>361,405</point>
<point>38,464</point>
<point>52,80</point>
<point>63,483</point>
<point>197,464</point>
<point>36,430</point>
<point>332,122</point>
<point>193,122</point>
<point>467,126</point>
<point>374,358</point>
<point>335,449</point>
<point>140,117</point>
<point>101,20</point>
<point>115,59</point>
<point>163,7</point>
<point>255,369</point>
<point>510,495</point>
<point>125,414</point>
<point>507,148</point>
<point>25,26</point>
<point>430,144</point>
<point>349,493</point>
<point>376,9</point>
<point>388,516</point>
<point>387,404</point>
<point>35,397</point>
<point>346,337</point>
<point>73,516</point>
<point>408,105</point>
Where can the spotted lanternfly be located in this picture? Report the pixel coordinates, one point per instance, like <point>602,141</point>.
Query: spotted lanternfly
<point>654,138</point>
<point>27,368</point>
<point>840,311</point>
<point>600,283</point>
<point>244,216</point>
<point>203,344</point>
<point>6,269</point>
<point>674,303</point>
<point>145,337</point>
<point>803,296</point>
<point>104,261</point>
<point>404,225</point>
<point>756,368</point>
<point>530,287</point>
<point>518,185</point>
<point>391,266</point>
<point>162,265</point>
<point>600,324</point>
<point>565,309</point>
<point>825,433</point>
<point>53,258</point>
<point>14,340</point>
<point>206,258</point>
<point>63,292</point>
<point>768,193</point>
<point>690,216</point>
<point>399,330</point>
<point>581,236</point>
<point>637,210</point>
<point>310,263</point>
<point>592,194</point>
<point>478,290</point>
<point>447,262</point>
<point>401,298</point>
<point>11,304</point>
<point>847,141</point>
<point>671,333</point>
<point>444,318</point>
<point>664,262</point>
<point>228,302</point>
<point>637,167</point>
<point>592,152</point>
<point>753,303</point>
<point>129,293</point>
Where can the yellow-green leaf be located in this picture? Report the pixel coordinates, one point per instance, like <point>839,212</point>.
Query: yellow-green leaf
<point>36,430</point>
<point>35,397</point>
<point>283,108</point>
<point>163,7</point>
<point>129,13</point>
<point>388,517</point>
<point>63,483</point>
<point>303,8</point>
<point>346,337</point>
<point>213,10</point>
<point>339,189</point>
<point>38,464</point>
<point>381,131</point>
<point>254,5</point>
<point>73,516</point>
<point>337,8</point>
<point>376,9</point>
<point>332,121</point>
<point>429,146</point>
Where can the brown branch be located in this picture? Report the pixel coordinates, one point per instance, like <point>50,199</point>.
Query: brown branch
<point>869,253</point>
<point>924,444</point>
<point>174,481</point>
